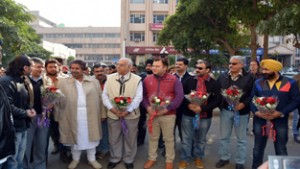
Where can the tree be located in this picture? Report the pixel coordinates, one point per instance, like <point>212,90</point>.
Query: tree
<point>70,59</point>
<point>208,21</point>
<point>17,36</point>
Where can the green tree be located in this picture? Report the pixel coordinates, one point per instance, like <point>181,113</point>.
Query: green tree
<point>70,59</point>
<point>17,36</point>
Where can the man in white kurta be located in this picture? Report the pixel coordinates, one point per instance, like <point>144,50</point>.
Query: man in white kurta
<point>80,114</point>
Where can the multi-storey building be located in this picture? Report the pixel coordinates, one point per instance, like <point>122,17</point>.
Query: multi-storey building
<point>141,21</point>
<point>92,44</point>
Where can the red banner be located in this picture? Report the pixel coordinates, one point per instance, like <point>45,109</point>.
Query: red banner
<point>156,26</point>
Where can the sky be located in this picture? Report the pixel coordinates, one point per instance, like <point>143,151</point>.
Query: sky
<point>78,13</point>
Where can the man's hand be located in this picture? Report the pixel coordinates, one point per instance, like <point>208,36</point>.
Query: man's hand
<point>123,113</point>
<point>150,111</point>
<point>195,108</point>
<point>162,112</point>
<point>30,113</point>
<point>239,106</point>
<point>273,115</point>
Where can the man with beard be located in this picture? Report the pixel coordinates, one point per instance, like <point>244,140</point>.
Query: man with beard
<point>143,111</point>
<point>18,89</point>
<point>195,139</point>
<point>103,147</point>
<point>51,79</point>
<point>287,92</point>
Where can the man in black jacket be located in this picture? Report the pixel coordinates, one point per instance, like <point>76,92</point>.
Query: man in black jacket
<point>237,115</point>
<point>195,138</point>
<point>19,92</point>
<point>7,131</point>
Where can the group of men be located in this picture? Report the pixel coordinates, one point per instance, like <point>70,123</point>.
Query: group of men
<point>87,117</point>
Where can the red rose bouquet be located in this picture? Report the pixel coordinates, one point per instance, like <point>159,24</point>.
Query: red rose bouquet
<point>232,96</point>
<point>122,103</point>
<point>198,98</point>
<point>267,105</point>
<point>157,103</point>
<point>50,95</point>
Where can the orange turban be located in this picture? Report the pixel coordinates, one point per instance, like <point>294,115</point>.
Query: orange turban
<point>271,64</point>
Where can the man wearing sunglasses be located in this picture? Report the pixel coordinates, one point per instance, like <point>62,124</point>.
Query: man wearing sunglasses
<point>195,138</point>
<point>236,116</point>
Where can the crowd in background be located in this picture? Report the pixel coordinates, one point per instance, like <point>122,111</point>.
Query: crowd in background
<point>89,118</point>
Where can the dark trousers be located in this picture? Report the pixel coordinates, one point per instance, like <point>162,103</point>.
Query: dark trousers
<point>142,129</point>
<point>260,141</point>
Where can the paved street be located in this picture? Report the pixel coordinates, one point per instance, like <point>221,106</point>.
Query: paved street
<point>209,161</point>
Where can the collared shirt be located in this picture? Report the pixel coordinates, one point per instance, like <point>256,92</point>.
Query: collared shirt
<point>138,97</point>
<point>235,78</point>
<point>180,77</point>
<point>34,79</point>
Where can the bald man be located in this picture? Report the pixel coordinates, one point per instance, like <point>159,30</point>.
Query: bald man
<point>123,83</point>
<point>287,92</point>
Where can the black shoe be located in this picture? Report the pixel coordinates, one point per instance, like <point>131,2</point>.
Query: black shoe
<point>129,165</point>
<point>222,163</point>
<point>296,139</point>
<point>63,156</point>
<point>112,165</point>
<point>239,166</point>
<point>139,143</point>
<point>54,151</point>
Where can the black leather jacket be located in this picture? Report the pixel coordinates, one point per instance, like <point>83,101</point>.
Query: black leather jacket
<point>7,132</point>
<point>18,98</point>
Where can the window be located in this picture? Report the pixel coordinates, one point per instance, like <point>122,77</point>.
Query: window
<point>159,18</point>
<point>137,18</point>
<point>160,1</point>
<point>137,36</point>
<point>137,1</point>
<point>155,36</point>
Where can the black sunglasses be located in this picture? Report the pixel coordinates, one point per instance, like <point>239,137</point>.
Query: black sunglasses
<point>232,63</point>
<point>199,68</point>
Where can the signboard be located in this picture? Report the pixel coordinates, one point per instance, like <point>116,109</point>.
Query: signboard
<point>135,50</point>
<point>156,26</point>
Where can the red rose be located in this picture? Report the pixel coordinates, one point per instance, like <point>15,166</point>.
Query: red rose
<point>258,100</point>
<point>229,92</point>
<point>117,99</point>
<point>128,100</point>
<point>271,100</point>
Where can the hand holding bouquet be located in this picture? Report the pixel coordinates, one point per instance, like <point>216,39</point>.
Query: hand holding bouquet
<point>157,104</point>
<point>267,105</point>
<point>121,104</point>
<point>232,96</point>
<point>198,98</point>
<point>50,95</point>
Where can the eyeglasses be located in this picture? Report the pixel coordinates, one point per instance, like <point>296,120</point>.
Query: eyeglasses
<point>199,68</point>
<point>232,63</point>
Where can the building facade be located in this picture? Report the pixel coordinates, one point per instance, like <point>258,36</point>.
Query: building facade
<point>92,44</point>
<point>141,22</point>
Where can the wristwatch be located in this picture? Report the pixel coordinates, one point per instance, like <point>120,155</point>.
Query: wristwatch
<point>282,115</point>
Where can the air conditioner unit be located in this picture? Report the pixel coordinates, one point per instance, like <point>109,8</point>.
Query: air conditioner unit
<point>137,39</point>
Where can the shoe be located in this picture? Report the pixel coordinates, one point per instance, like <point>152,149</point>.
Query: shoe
<point>149,164</point>
<point>296,139</point>
<point>73,164</point>
<point>183,164</point>
<point>222,163</point>
<point>101,155</point>
<point>63,156</point>
<point>95,164</point>
<point>199,163</point>
<point>169,165</point>
<point>112,165</point>
<point>129,165</point>
<point>239,166</point>
<point>139,143</point>
<point>54,151</point>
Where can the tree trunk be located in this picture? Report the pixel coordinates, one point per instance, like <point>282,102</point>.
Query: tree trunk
<point>253,45</point>
<point>266,46</point>
<point>224,43</point>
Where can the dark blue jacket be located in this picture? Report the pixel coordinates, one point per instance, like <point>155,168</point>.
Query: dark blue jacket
<point>288,94</point>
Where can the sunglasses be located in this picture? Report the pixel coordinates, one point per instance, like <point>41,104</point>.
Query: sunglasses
<point>199,68</point>
<point>232,63</point>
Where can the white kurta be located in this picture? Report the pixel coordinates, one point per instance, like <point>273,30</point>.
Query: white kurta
<point>83,142</point>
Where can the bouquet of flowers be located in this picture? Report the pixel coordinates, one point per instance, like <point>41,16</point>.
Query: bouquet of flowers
<point>50,95</point>
<point>198,98</point>
<point>267,105</point>
<point>122,103</point>
<point>232,96</point>
<point>157,103</point>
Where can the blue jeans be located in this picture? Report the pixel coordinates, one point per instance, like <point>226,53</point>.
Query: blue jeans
<point>37,143</point>
<point>227,123</point>
<point>193,139</point>
<point>295,122</point>
<point>281,127</point>
<point>16,161</point>
<point>103,146</point>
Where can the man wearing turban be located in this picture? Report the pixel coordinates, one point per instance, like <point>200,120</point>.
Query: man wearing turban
<point>286,90</point>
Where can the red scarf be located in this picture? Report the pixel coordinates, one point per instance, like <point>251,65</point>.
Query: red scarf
<point>201,84</point>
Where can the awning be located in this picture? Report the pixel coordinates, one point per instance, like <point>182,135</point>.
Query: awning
<point>281,49</point>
